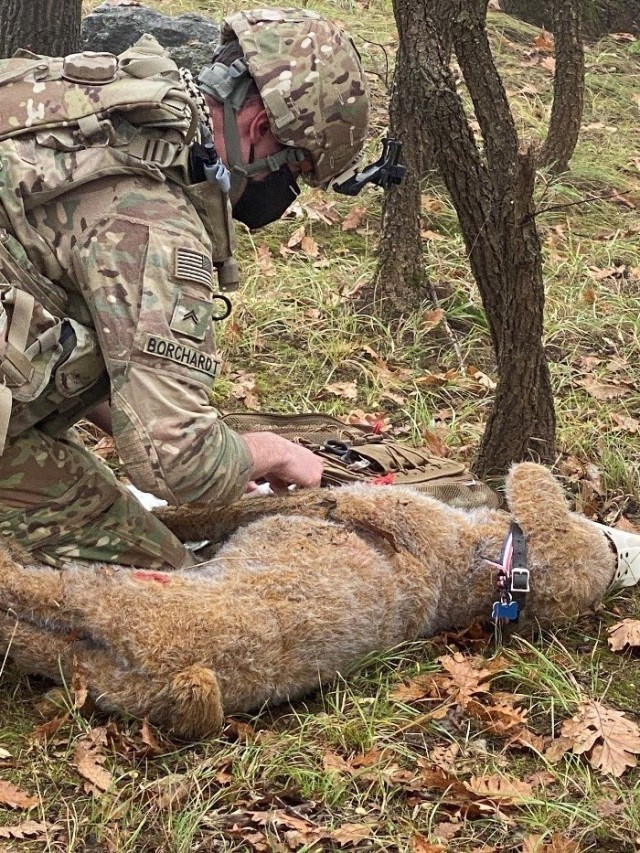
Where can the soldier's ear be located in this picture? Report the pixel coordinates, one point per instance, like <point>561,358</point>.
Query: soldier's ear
<point>259,126</point>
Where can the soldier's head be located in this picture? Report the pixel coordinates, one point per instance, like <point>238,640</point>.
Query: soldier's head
<point>289,98</point>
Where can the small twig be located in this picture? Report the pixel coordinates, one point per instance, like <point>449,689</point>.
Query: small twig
<point>449,331</point>
<point>587,200</point>
<point>384,77</point>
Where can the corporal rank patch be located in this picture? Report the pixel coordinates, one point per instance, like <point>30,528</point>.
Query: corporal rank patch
<point>190,265</point>
<point>191,317</point>
<point>181,354</point>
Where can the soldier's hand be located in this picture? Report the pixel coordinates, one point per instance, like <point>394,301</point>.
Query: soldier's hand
<point>282,463</point>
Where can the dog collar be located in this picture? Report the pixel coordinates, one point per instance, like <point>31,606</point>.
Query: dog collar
<point>512,584</point>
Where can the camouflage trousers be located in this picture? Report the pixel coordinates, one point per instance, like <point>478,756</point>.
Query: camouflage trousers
<point>60,502</point>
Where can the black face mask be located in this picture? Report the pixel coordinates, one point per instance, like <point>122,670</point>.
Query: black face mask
<point>265,201</point>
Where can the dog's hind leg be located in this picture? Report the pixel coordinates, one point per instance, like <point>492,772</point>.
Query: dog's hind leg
<point>188,704</point>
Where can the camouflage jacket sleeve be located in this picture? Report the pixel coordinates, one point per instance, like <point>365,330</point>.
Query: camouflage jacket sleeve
<point>141,258</point>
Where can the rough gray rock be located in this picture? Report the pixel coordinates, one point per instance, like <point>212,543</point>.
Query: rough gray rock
<point>189,38</point>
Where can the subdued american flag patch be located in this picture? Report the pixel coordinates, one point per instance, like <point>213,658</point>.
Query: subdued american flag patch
<point>193,266</point>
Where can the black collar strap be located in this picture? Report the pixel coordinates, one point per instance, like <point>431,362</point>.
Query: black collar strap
<point>513,578</point>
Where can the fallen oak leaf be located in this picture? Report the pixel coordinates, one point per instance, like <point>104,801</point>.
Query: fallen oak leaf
<point>14,798</point>
<point>351,833</point>
<point>88,762</point>
<point>296,238</point>
<point>29,829</point>
<point>601,390</point>
<point>419,844</point>
<point>309,247</point>
<point>625,633</point>
<point>348,390</point>
<point>624,422</point>
<point>499,789</point>
<point>612,740</point>
<point>354,218</point>
<point>467,679</point>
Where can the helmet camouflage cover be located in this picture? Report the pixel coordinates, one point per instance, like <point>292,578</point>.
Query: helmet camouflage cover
<point>311,81</point>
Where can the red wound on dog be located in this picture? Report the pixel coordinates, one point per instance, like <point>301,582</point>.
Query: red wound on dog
<point>384,479</point>
<point>158,577</point>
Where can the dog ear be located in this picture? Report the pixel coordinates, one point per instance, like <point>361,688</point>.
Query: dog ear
<point>535,497</point>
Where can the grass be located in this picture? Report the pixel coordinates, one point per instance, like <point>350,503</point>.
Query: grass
<point>290,778</point>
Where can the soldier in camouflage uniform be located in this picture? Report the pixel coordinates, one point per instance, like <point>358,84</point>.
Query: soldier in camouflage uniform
<point>110,240</point>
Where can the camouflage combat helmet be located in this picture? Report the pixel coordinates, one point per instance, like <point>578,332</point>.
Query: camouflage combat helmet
<point>311,82</point>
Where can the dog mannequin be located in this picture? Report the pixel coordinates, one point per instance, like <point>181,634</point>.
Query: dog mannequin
<point>293,597</point>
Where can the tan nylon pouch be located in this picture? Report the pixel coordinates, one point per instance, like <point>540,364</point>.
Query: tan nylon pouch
<point>371,458</point>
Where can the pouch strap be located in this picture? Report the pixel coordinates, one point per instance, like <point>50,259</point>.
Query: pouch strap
<point>15,367</point>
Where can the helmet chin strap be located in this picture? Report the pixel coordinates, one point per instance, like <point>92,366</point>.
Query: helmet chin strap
<point>228,84</point>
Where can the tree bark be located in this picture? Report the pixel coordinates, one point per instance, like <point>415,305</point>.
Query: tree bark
<point>568,87</point>
<point>399,282</point>
<point>494,201</point>
<point>601,16</point>
<point>50,27</point>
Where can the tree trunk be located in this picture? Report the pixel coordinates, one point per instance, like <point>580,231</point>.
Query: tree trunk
<point>568,87</point>
<point>494,202</point>
<point>600,16</point>
<point>50,27</point>
<point>399,282</point>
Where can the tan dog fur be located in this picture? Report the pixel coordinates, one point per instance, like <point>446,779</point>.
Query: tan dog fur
<point>292,598</point>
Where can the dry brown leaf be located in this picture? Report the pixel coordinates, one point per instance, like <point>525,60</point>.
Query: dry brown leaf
<point>556,843</point>
<point>79,685</point>
<point>445,756</point>
<point>434,443</point>
<point>500,718</point>
<point>28,829</point>
<point>354,218</point>
<point>265,260</point>
<point>14,798</point>
<point>419,844</point>
<point>322,211</point>
<point>428,234</point>
<point>431,319</point>
<point>417,688</point>
<point>446,830</point>
<point>336,763</point>
<point>169,792</point>
<point>348,390</point>
<point>88,762</point>
<point>466,677</point>
<point>544,41</point>
<point>296,238</point>
<point>309,247</point>
<point>623,523</point>
<point>49,728</point>
<point>606,735</point>
<point>351,833</point>
<point>625,422</point>
<point>549,64</point>
<point>499,788</point>
<point>481,378</point>
<point>526,738</point>
<point>602,390</point>
<point>625,633</point>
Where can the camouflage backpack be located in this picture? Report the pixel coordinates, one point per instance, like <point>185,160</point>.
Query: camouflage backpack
<point>90,116</point>
<point>352,453</point>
